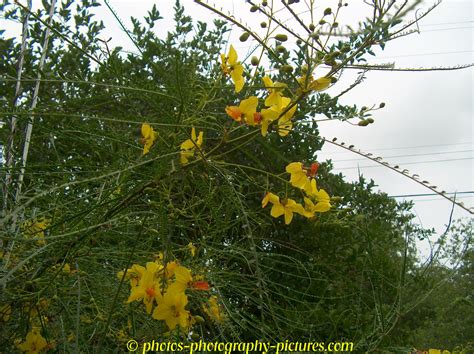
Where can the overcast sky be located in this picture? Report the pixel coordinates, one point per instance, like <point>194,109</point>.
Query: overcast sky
<point>428,119</point>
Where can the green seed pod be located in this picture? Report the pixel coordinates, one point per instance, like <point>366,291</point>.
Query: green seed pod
<point>263,24</point>
<point>333,80</point>
<point>281,37</point>
<point>254,61</point>
<point>286,69</point>
<point>363,123</point>
<point>335,24</point>
<point>280,49</point>
<point>264,3</point>
<point>370,120</point>
<point>244,36</point>
<point>328,11</point>
<point>254,8</point>
<point>382,105</point>
<point>322,22</point>
<point>311,27</point>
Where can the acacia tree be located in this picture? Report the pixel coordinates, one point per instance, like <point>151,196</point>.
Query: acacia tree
<point>154,166</point>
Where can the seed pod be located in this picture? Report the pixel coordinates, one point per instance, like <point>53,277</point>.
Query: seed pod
<point>254,61</point>
<point>263,24</point>
<point>328,11</point>
<point>244,36</point>
<point>363,123</point>
<point>281,37</point>
<point>254,8</point>
<point>286,69</point>
<point>311,27</point>
<point>280,49</point>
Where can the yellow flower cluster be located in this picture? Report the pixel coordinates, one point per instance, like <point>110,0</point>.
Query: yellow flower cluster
<point>34,342</point>
<point>36,229</point>
<point>316,200</point>
<point>278,107</point>
<point>163,287</point>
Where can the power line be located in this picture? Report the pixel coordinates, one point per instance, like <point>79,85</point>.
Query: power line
<point>425,54</point>
<point>446,29</point>
<point>406,163</point>
<point>407,147</point>
<point>445,23</point>
<point>410,155</point>
<point>427,194</point>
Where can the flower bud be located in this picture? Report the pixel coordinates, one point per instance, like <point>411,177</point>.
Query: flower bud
<point>244,36</point>
<point>370,120</point>
<point>311,27</point>
<point>254,61</point>
<point>264,3</point>
<point>263,24</point>
<point>281,37</point>
<point>333,80</point>
<point>322,22</point>
<point>336,199</point>
<point>335,24</point>
<point>253,8</point>
<point>363,123</point>
<point>328,11</point>
<point>286,68</point>
<point>382,105</point>
<point>364,108</point>
<point>280,49</point>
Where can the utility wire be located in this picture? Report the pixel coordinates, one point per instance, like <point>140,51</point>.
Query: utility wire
<point>410,155</point>
<point>428,194</point>
<point>407,147</point>
<point>406,163</point>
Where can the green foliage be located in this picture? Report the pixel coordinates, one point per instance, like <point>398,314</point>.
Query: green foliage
<point>344,275</point>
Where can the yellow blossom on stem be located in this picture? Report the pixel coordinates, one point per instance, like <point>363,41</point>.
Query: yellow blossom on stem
<point>274,92</point>
<point>171,309</point>
<point>213,310</point>
<point>246,111</point>
<point>284,122</point>
<point>189,146</point>
<point>299,178</point>
<point>230,66</point>
<point>134,274</point>
<point>149,137</point>
<point>148,287</point>
<point>192,249</point>
<point>36,229</point>
<point>285,207</point>
<point>34,342</point>
<point>310,84</point>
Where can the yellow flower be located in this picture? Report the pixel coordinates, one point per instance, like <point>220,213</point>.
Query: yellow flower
<point>213,310</point>
<point>134,274</point>
<point>247,110</point>
<point>188,147</point>
<point>299,178</point>
<point>148,287</point>
<point>171,309</point>
<point>322,199</point>
<point>36,229</point>
<point>285,207</point>
<point>34,342</point>
<point>149,137</point>
<point>5,313</point>
<point>310,84</point>
<point>183,279</point>
<point>230,66</point>
<point>274,92</point>
<point>276,112</point>
<point>192,249</point>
